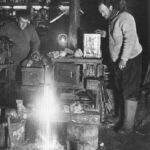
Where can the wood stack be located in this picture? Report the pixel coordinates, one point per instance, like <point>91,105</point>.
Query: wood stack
<point>105,105</point>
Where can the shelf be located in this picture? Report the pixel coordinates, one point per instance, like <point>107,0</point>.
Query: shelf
<point>78,60</point>
<point>22,4</point>
<point>9,9</point>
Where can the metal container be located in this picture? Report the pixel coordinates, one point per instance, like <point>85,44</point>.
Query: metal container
<point>83,133</point>
<point>17,133</point>
<point>33,76</point>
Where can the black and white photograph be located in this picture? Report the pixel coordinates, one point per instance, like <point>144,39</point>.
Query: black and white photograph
<point>74,75</point>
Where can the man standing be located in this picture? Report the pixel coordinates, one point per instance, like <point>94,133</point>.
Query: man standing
<point>125,51</point>
<point>24,36</point>
<point>26,42</point>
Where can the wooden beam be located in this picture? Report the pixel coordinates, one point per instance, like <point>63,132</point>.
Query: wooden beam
<point>74,23</point>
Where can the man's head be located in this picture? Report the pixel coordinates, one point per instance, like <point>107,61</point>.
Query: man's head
<point>106,7</point>
<point>23,18</point>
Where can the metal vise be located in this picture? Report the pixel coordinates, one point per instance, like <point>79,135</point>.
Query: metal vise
<point>5,47</point>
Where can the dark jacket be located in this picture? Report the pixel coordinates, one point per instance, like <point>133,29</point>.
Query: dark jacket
<point>25,40</point>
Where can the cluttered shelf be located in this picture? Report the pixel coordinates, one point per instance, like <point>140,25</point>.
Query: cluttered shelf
<point>73,71</point>
<point>22,4</point>
<point>39,11</point>
<point>78,60</point>
<point>86,117</point>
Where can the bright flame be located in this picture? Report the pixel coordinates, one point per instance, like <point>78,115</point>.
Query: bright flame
<point>47,112</point>
<point>47,108</point>
<point>50,144</point>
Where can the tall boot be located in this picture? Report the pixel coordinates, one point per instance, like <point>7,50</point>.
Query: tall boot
<point>130,111</point>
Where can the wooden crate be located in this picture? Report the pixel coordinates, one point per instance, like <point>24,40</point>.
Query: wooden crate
<point>85,134</point>
<point>35,76</point>
<point>31,93</point>
<point>32,76</point>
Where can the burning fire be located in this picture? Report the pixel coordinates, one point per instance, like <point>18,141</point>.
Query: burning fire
<point>47,112</point>
<point>47,108</point>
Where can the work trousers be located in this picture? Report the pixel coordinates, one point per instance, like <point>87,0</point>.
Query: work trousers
<point>128,80</point>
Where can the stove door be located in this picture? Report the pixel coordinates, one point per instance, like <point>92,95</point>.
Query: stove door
<point>65,73</point>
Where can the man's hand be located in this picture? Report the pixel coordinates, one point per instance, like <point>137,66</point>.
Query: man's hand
<point>45,61</point>
<point>36,56</point>
<point>101,32</point>
<point>122,64</point>
<point>29,63</point>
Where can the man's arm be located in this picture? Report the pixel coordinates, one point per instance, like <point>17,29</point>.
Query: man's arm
<point>35,45</point>
<point>3,32</point>
<point>129,37</point>
<point>35,41</point>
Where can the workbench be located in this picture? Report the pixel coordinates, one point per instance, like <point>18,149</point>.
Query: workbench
<point>72,72</point>
<point>80,74</point>
<point>77,74</point>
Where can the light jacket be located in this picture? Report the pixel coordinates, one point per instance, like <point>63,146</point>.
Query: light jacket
<point>123,39</point>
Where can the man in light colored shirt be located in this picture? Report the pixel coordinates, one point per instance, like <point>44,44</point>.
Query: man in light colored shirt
<point>125,52</point>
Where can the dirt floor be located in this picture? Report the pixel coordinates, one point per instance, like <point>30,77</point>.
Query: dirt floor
<point>138,140</point>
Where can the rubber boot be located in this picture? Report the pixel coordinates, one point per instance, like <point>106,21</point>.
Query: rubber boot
<point>130,111</point>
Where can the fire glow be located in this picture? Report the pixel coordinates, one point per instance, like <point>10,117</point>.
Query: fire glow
<point>47,110</point>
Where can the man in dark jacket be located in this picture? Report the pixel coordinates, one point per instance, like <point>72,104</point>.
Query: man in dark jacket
<point>24,36</point>
<point>26,43</point>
